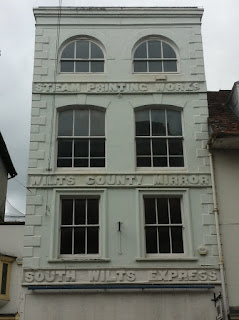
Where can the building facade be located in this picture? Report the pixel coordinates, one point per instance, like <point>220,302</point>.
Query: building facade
<point>119,216</point>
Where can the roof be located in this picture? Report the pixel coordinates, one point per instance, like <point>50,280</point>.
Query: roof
<point>222,119</point>
<point>6,158</point>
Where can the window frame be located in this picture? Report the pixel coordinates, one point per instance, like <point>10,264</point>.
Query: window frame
<point>147,59</point>
<point>6,260</point>
<point>74,59</point>
<point>55,253</point>
<point>167,137</point>
<point>188,253</point>
<point>73,138</point>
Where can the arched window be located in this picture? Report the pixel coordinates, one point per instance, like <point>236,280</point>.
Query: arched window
<point>81,138</point>
<point>159,140</point>
<point>82,56</point>
<point>154,56</point>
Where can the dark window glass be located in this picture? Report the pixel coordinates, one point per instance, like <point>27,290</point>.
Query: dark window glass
<point>64,163</point>
<point>160,162</point>
<point>176,162</point>
<point>82,49</point>
<point>65,123</point>
<point>97,66</point>
<point>141,51</point>
<point>92,211</point>
<point>81,163</point>
<point>155,66</point>
<point>67,66</point>
<point>97,148</point>
<point>80,211</point>
<point>92,240</point>
<point>177,239</point>
<point>162,206</point>
<point>143,147</point>
<point>64,147</point>
<point>97,162</point>
<point>143,162</point>
<point>154,48</point>
<point>82,66</point>
<point>150,211</point>
<point>170,66</point>
<point>81,147</point>
<point>151,239</point>
<point>66,240</point>
<point>69,51</point>
<point>175,146</point>
<point>79,240</point>
<point>140,66</point>
<point>97,123</point>
<point>168,51</point>
<point>175,210</point>
<point>164,240</point>
<point>81,122</point>
<point>67,212</point>
<point>159,146</point>
<point>4,278</point>
<point>158,122</point>
<point>142,123</point>
<point>96,51</point>
<point>174,123</point>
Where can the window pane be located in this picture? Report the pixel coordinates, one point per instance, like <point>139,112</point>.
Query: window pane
<point>162,206</point>
<point>155,66</point>
<point>142,123</point>
<point>176,162</point>
<point>79,240</point>
<point>96,51</point>
<point>177,239</point>
<point>68,52</point>
<point>81,147</point>
<point>170,66</point>
<point>174,123</point>
<point>97,162</point>
<point>140,66</point>
<point>151,239</point>
<point>67,66</point>
<point>66,240</point>
<point>97,123</point>
<point>159,147</point>
<point>160,162</point>
<point>150,211</point>
<point>158,122</point>
<point>65,148</point>
<point>64,163</point>
<point>141,51</point>
<point>97,66</point>
<point>143,147</point>
<point>80,211</point>
<point>92,211</point>
<point>80,163</point>
<point>175,210</point>
<point>143,162</point>
<point>154,48</point>
<point>4,278</point>
<point>164,240</point>
<point>81,123</point>
<point>65,123</point>
<point>82,66</point>
<point>93,240</point>
<point>67,212</point>
<point>82,49</point>
<point>168,51</point>
<point>175,147</point>
<point>97,147</point>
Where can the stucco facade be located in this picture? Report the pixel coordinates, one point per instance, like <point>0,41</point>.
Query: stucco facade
<point>173,276</point>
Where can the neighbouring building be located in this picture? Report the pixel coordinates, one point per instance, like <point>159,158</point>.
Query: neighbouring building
<point>224,145</point>
<point>119,218</point>
<point>11,241</point>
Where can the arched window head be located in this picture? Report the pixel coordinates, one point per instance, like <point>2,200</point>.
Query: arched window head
<point>82,56</point>
<point>154,56</point>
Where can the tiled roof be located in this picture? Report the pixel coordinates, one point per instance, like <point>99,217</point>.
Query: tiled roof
<point>222,120</point>
<point>6,158</point>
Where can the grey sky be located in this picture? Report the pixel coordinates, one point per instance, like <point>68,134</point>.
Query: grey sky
<point>220,41</point>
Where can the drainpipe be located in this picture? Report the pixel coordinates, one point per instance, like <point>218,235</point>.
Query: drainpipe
<point>215,210</point>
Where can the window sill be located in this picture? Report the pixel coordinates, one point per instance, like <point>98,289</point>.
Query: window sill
<point>78,260</point>
<point>166,259</point>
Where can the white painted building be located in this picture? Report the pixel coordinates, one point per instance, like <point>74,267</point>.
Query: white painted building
<point>119,219</point>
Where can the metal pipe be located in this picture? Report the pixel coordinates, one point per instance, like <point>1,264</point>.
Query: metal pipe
<point>221,264</point>
<point>120,286</point>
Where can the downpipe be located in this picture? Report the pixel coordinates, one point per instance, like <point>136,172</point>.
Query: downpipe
<point>221,264</point>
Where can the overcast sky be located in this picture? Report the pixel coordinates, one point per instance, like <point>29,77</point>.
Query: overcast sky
<point>220,41</point>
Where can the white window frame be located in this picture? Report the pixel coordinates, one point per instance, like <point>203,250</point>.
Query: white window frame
<point>186,222</point>
<point>58,194</point>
